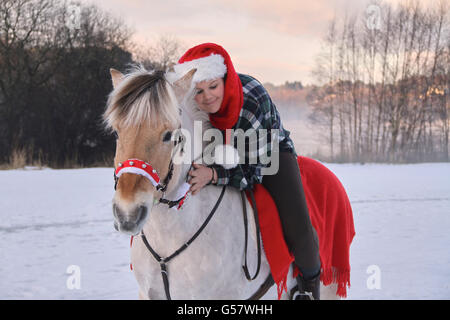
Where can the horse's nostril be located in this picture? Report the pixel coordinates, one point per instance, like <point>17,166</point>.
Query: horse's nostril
<point>141,213</point>
<point>116,211</point>
<point>141,210</point>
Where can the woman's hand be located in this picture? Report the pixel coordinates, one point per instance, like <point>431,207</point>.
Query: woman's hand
<point>200,176</point>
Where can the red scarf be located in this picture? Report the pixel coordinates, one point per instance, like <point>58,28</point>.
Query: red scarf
<point>233,98</point>
<point>332,217</point>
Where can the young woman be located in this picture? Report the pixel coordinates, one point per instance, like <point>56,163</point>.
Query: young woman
<point>238,101</point>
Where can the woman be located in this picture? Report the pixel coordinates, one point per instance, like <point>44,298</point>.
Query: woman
<point>237,101</point>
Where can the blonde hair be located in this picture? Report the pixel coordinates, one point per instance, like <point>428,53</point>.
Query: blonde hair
<point>141,97</point>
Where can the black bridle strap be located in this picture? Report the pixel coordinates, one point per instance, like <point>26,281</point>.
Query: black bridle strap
<point>163,261</point>
<point>167,179</point>
<point>171,203</point>
<point>267,284</point>
<point>258,234</point>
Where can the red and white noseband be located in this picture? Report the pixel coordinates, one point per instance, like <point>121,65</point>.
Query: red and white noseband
<point>141,168</point>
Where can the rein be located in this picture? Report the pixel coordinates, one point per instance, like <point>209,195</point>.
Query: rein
<point>163,261</point>
<point>267,284</point>
<point>258,234</point>
<point>140,167</point>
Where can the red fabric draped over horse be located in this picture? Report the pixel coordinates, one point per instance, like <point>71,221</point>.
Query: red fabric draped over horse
<point>332,217</point>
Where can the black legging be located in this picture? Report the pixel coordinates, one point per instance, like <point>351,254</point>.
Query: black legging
<point>287,191</point>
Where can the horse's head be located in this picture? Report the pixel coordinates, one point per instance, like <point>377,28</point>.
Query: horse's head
<point>143,112</point>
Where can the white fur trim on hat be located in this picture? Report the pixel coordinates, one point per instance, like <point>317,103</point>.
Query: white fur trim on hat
<point>137,171</point>
<point>226,156</point>
<point>208,68</point>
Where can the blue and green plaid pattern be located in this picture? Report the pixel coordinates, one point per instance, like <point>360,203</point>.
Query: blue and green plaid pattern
<point>258,112</point>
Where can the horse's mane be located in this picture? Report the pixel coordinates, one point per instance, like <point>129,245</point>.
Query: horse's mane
<point>141,97</point>
<point>194,112</point>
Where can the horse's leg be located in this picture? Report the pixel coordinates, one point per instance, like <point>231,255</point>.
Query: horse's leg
<point>142,296</point>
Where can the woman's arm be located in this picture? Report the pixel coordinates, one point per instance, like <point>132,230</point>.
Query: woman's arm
<point>256,116</point>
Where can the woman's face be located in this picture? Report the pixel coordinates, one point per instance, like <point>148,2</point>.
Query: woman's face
<point>209,95</point>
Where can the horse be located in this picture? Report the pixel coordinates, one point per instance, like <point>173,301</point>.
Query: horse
<point>146,112</point>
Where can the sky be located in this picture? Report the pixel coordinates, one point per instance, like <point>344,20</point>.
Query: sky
<point>272,40</point>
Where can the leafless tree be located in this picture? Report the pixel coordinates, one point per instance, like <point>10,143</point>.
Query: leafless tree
<point>159,54</point>
<point>390,83</point>
<point>54,77</point>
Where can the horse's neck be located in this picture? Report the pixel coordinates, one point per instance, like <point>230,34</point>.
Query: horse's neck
<point>171,226</point>
<point>190,114</point>
<point>168,229</point>
<point>191,152</point>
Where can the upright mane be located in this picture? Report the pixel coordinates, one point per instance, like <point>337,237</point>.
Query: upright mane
<point>141,97</point>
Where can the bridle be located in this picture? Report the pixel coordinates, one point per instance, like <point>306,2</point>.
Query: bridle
<point>145,169</point>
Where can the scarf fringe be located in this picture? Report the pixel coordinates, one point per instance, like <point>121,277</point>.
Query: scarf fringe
<point>339,276</point>
<point>282,286</point>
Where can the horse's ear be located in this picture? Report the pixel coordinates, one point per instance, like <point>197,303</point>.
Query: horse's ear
<point>116,77</point>
<point>182,85</point>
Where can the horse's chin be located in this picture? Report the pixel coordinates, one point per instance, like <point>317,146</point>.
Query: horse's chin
<point>121,229</point>
<point>132,232</point>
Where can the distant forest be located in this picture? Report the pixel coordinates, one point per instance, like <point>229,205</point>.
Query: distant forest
<point>382,90</point>
<point>55,58</point>
<point>385,79</point>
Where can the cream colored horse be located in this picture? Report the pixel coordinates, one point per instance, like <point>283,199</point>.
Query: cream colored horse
<point>143,109</point>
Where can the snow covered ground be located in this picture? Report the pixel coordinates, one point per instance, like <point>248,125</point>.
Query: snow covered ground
<point>53,219</point>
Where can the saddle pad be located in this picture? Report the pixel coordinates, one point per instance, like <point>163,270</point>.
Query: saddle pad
<point>332,217</point>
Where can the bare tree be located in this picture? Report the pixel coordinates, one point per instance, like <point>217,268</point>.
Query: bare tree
<point>160,54</point>
<point>54,77</point>
<point>390,84</point>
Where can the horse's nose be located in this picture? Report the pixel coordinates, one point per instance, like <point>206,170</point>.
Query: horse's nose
<point>130,222</point>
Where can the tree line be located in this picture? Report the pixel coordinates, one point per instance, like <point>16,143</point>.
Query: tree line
<point>383,93</point>
<point>54,79</point>
<point>385,79</point>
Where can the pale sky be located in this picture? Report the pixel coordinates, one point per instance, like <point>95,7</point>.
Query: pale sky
<point>274,41</point>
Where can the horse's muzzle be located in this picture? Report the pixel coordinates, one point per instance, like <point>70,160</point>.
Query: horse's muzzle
<point>130,223</point>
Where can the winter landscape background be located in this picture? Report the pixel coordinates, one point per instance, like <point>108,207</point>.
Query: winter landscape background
<point>53,219</point>
<point>375,73</point>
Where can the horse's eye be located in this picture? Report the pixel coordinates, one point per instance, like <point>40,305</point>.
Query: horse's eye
<point>116,136</point>
<point>167,136</point>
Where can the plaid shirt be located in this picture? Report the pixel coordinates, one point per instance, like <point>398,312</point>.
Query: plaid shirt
<point>258,112</point>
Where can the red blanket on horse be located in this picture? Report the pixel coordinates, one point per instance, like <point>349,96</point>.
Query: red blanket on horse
<point>331,215</point>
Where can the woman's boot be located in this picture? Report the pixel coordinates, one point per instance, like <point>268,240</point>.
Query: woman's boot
<point>308,289</point>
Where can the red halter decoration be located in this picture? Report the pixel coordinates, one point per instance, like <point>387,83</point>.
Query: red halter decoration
<point>139,167</point>
<point>136,166</point>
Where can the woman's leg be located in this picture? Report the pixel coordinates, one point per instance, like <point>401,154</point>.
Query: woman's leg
<point>286,189</point>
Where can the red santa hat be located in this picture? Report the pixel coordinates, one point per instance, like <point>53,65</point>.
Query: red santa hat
<point>212,62</point>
